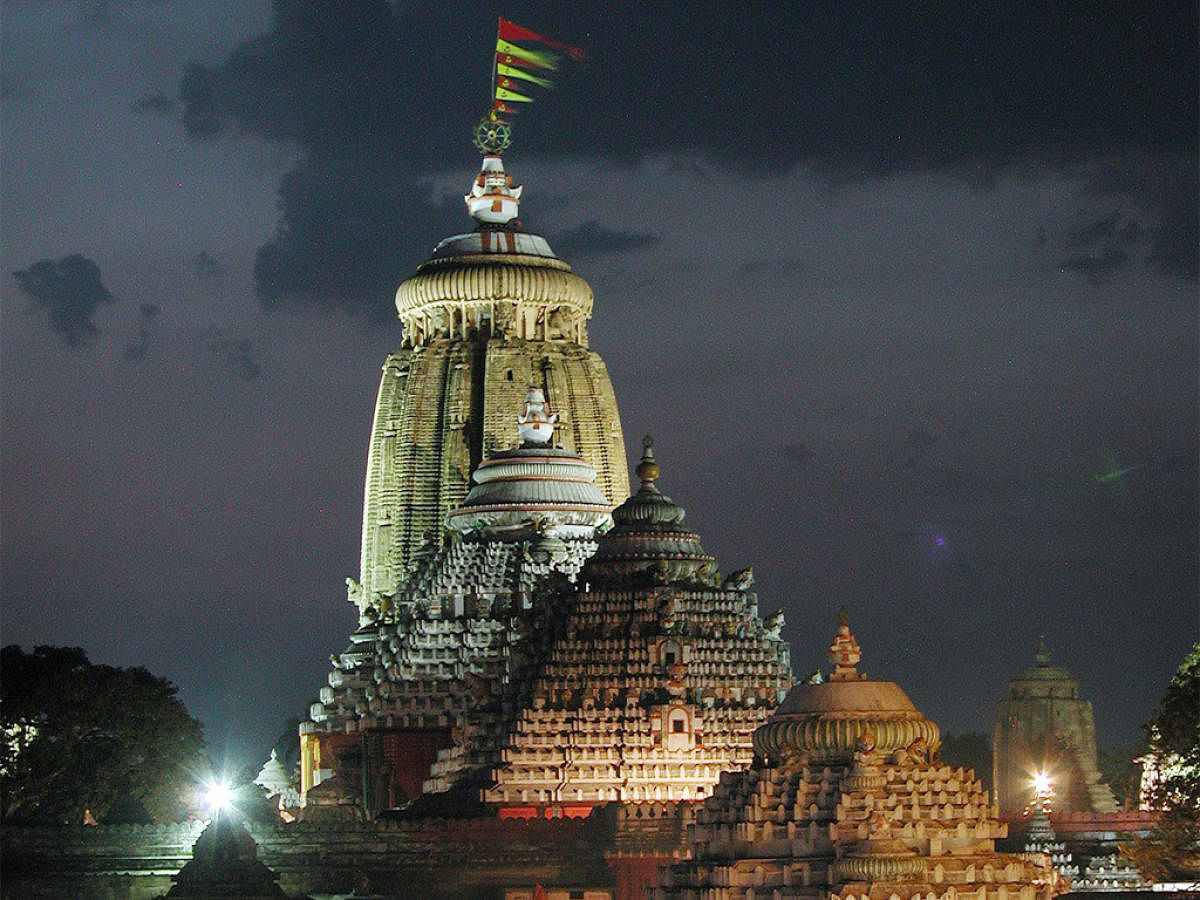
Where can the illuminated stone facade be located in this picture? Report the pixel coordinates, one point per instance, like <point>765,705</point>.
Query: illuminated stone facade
<point>440,665</point>
<point>1045,727</point>
<point>487,315</point>
<point>657,676</point>
<point>847,801</point>
<point>503,636</point>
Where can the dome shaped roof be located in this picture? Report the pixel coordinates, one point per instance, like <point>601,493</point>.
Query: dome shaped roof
<point>496,265</point>
<point>534,488</point>
<point>649,538</point>
<point>1043,679</point>
<point>826,719</point>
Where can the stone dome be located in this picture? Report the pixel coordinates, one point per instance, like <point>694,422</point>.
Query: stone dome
<point>826,719</point>
<point>649,540</point>
<point>535,488</point>
<point>497,280</point>
<point>1043,679</point>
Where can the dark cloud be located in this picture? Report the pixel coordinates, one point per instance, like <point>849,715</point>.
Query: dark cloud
<point>1096,265</point>
<point>147,315</point>
<point>157,103</point>
<point>69,291</point>
<point>235,354</point>
<point>1166,187</point>
<point>1132,213</point>
<point>351,231</point>
<point>854,90</point>
<point>591,238</point>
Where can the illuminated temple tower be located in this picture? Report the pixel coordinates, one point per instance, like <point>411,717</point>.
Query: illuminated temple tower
<point>488,314</point>
<point>521,642</point>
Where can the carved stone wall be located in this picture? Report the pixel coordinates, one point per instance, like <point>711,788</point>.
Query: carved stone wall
<point>444,406</point>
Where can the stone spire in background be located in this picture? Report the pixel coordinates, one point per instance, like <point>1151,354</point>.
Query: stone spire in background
<point>1045,727</point>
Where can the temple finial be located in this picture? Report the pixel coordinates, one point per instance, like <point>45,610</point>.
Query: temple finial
<point>647,469</point>
<point>844,652</point>
<point>1042,655</point>
<point>493,201</point>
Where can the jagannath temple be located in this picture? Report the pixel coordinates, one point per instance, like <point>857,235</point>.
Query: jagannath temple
<point>526,639</point>
<point>551,690</point>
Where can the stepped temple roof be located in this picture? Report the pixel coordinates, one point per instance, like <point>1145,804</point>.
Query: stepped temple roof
<point>837,805</point>
<point>656,677</point>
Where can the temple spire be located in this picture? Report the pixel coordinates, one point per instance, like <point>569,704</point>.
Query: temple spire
<point>647,468</point>
<point>844,652</point>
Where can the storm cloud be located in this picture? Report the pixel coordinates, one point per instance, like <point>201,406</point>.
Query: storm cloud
<point>592,238</point>
<point>69,292</point>
<point>148,314</point>
<point>965,88</point>
<point>235,354</point>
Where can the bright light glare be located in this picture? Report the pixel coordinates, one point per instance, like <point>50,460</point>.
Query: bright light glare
<point>218,796</point>
<point>1042,784</point>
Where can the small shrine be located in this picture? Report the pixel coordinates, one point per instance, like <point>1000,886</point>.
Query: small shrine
<point>847,800</point>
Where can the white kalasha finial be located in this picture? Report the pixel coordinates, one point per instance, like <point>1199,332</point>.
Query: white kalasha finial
<point>535,425</point>
<point>493,200</point>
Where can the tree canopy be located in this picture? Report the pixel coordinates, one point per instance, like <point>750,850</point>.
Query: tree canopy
<point>1174,735</point>
<point>79,736</point>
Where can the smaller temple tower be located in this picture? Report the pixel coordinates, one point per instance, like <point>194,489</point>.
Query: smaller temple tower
<point>1045,728</point>
<point>847,800</point>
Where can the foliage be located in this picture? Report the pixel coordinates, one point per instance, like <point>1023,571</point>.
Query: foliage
<point>79,736</point>
<point>971,750</point>
<point>1174,735</point>
<point>1120,771</point>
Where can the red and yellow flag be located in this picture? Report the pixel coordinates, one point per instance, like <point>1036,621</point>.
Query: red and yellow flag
<point>511,31</point>
<point>516,63</point>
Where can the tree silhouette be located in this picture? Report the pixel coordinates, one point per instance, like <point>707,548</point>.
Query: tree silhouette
<point>82,737</point>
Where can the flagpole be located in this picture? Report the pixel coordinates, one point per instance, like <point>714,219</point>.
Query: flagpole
<point>492,98</point>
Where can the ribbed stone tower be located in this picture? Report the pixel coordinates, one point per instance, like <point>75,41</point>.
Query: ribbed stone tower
<point>1045,726</point>
<point>488,315</point>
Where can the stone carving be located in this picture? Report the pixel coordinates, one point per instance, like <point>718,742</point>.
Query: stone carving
<point>916,753</point>
<point>773,626</point>
<point>741,580</point>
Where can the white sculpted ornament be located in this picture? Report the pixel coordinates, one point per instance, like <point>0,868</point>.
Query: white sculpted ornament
<point>535,425</point>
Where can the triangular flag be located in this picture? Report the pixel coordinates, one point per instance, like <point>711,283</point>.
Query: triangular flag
<point>511,31</point>
<point>512,96</point>
<point>511,72</point>
<point>520,56</point>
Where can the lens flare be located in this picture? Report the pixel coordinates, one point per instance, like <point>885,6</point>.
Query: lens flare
<point>218,796</point>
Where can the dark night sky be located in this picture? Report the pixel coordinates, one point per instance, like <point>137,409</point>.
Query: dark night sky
<point>894,288</point>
